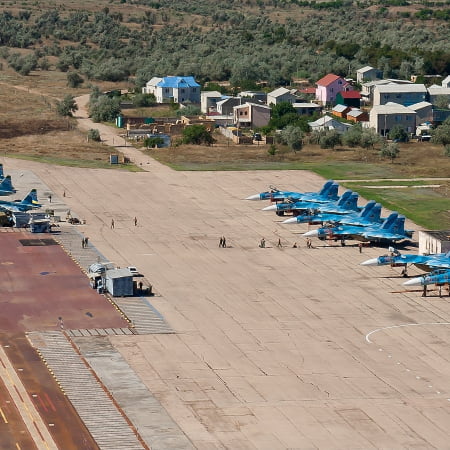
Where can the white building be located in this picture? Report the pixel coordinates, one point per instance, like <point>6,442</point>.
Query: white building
<point>176,89</point>
<point>281,95</point>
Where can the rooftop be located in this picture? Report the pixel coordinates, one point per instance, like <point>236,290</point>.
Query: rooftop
<point>328,79</point>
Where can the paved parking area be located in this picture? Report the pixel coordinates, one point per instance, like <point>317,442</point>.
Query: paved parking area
<point>270,347</point>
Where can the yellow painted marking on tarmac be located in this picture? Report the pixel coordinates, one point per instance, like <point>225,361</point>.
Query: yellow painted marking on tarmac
<point>30,416</point>
<point>18,446</point>
<point>3,416</point>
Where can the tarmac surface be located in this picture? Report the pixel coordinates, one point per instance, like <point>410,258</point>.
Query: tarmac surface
<point>271,348</point>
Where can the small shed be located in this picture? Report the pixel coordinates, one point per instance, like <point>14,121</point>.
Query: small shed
<point>119,282</point>
<point>434,242</point>
<point>349,98</point>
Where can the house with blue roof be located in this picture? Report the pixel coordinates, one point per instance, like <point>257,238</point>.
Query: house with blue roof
<point>176,89</point>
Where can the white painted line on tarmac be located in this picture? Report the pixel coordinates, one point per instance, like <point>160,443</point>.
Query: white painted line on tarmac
<point>400,326</point>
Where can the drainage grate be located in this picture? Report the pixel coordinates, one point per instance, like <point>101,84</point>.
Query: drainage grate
<point>37,242</point>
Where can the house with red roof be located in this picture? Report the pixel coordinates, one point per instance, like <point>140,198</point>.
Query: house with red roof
<point>349,98</point>
<point>329,86</point>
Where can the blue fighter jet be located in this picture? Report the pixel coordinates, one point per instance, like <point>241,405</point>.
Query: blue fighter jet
<point>29,202</point>
<point>347,202</point>
<point>6,187</point>
<point>438,277</point>
<point>368,215</point>
<point>391,230</point>
<point>328,193</point>
<point>423,262</point>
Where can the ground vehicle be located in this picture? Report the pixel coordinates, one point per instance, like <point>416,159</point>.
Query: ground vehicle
<point>134,271</point>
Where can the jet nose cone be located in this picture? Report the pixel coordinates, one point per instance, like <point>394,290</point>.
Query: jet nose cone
<point>311,233</point>
<point>370,262</point>
<point>413,282</point>
<point>253,197</point>
<point>291,220</point>
<point>270,208</point>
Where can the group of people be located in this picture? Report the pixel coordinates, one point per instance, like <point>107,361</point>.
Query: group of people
<point>84,242</point>
<point>222,242</point>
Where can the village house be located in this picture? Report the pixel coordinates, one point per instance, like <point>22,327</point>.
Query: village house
<point>349,98</point>
<point>328,123</point>
<point>368,88</point>
<point>384,117</point>
<point>329,86</point>
<point>356,115</point>
<point>307,109</point>
<point>403,94</point>
<point>259,96</point>
<point>281,95</point>
<point>423,110</point>
<point>368,73</point>
<point>340,111</point>
<point>435,92</point>
<point>209,100</point>
<point>251,115</point>
<point>226,105</point>
<point>176,89</point>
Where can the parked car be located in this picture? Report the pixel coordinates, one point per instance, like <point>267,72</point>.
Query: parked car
<point>134,271</point>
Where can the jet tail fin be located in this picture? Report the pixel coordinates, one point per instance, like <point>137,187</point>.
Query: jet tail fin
<point>389,221</point>
<point>326,187</point>
<point>332,192</point>
<point>31,199</point>
<point>1,171</point>
<point>6,184</point>
<point>374,214</point>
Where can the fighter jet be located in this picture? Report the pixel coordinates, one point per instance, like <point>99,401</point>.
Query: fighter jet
<point>391,230</point>
<point>438,277</point>
<point>328,193</point>
<point>6,187</point>
<point>423,262</point>
<point>29,202</point>
<point>347,202</point>
<point>368,215</point>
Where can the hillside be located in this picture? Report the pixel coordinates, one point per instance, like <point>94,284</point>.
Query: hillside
<point>243,42</point>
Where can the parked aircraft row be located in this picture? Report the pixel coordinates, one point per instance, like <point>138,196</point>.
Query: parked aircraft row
<point>6,188</point>
<point>346,219</point>
<point>437,264</point>
<point>350,221</point>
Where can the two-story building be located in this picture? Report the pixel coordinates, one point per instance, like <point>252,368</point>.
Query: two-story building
<point>402,94</point>
<point>209,100</point>
<point>384,117</point>
<point>329,86</point>
<point>368,73</point>
<point>176,89</point>
<point>281,95</point>
<point>307,109</point>
<point>251,115</point>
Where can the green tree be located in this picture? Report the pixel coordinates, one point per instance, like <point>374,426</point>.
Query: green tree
<point>67,106</point>
<point>74,80</point>
<point>369,138</point>
<point>152,142</point>
<point>190,110</point>
<point>292,136</point>
<point>441,134</point>
<point>390,150</point>
<point>93,135</point>
<point>329,139</point>
<point>198,135</point>
<point>104,109</point>
<point>353,136</point>
<point>398,134</point>
<point>143,100</point>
